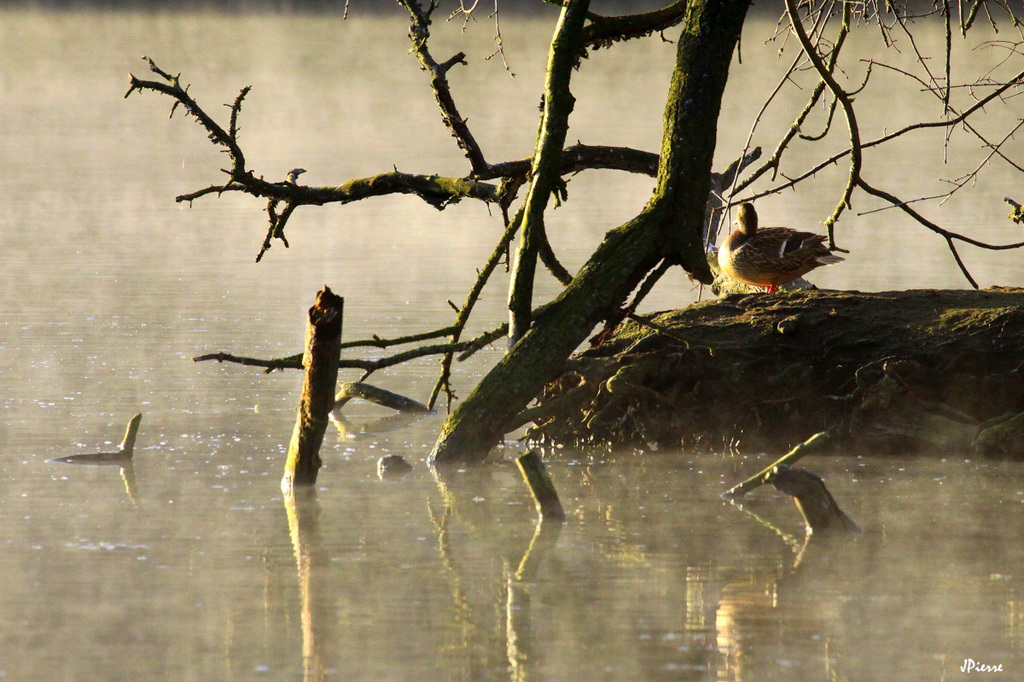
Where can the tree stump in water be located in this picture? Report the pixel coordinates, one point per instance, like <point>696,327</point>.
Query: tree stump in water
<point>320,360</point>
<point>884,372</point>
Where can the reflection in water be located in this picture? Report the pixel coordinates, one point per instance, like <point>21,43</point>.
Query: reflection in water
<point>317,614</point>
<point>473,640</point>
<point>518,616</point>
<point>127,469</point>
<point>130,486</point>
<point>764,616</point>
<point>468,649</point>
<point>377,427</point>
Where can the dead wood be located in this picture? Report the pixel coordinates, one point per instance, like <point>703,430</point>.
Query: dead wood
<point>357,389</point>
<point>323,344</point>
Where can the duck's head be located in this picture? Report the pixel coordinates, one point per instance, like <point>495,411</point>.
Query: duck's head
<point>746,218</point>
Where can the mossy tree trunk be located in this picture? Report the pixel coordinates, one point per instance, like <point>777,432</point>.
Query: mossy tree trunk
<point>668,228</point>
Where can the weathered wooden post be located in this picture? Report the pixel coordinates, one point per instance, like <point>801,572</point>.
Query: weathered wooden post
<point>320,360</point>
<point>545,497</point>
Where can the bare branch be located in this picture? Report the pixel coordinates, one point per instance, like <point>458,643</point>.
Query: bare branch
<point>377,342</point>
<point>603,31</point>
<point>419,32</point>
<point>773,162</point>
<point>582,157</point>
<point>905,207</point>
<point>844,100</point>
<point>217,135</point>
<point>290,362</point>
<point>960,262</point>
<point>368,366</point>
<point>498,41</point>
<point>945,123</point>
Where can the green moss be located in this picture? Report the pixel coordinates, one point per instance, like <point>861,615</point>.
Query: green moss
<point>900,368</point>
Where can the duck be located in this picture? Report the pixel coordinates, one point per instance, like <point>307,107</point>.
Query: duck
<point>770,256</point>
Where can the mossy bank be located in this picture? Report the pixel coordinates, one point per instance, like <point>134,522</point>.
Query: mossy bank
<point>885,372</point>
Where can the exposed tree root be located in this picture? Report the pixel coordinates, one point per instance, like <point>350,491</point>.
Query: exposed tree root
<point>882,372</point>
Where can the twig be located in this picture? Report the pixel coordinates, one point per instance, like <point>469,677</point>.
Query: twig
<point>291,362</point>
<point>774,161</point>
<point>217,135</point>
<point>498,41</point>
<point>377,342</point>
<point>630,310</point>
<point>466,348</point>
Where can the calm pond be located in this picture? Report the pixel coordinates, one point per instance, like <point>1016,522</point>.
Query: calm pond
<point>186,568</point>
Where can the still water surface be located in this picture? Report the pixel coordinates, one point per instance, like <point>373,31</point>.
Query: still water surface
<point>191,566</point>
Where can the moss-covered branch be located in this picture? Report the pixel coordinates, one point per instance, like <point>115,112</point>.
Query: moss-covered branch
<point>559,102</point>
<point>603,31</point>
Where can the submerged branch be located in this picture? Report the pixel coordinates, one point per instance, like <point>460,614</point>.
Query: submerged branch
<point>812,444</point>
<point>379,396</point>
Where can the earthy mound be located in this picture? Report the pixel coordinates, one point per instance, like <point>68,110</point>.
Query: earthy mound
<point>888,371</point>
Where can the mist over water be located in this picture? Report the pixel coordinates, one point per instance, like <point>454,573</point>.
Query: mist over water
<point>192,566</point>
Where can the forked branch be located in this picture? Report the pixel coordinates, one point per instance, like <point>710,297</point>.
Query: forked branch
<point>172,88</point>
